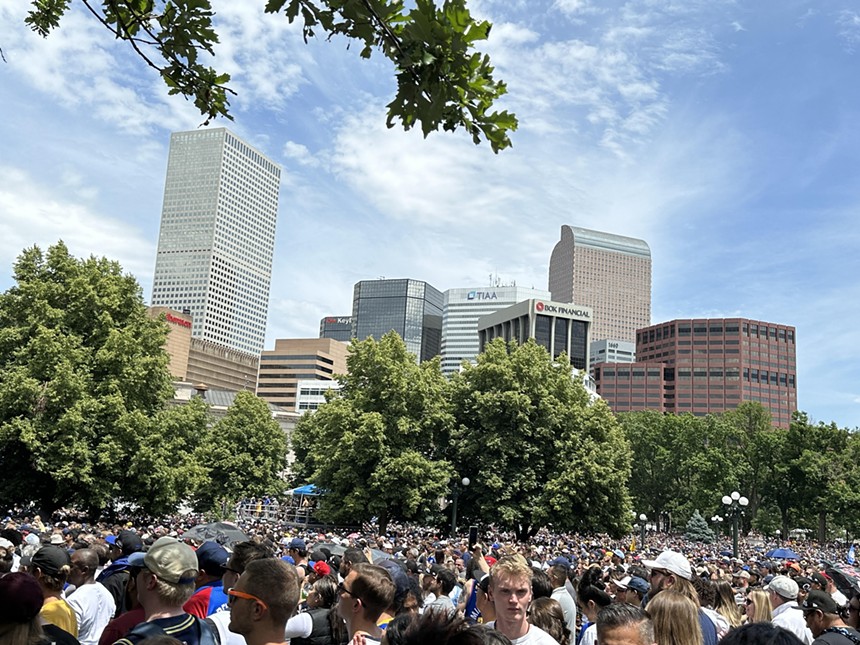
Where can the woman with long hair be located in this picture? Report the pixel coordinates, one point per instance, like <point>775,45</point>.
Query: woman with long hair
<point>725,604</point>
<point>320,624</point>
<point>676,619</point>
<point>591,597</point>
<point>547,614</point>
<point>758,609</point>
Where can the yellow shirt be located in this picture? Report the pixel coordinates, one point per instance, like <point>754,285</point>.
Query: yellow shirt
<point>58,612</point>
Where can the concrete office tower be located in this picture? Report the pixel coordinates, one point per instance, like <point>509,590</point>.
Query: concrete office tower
<point>217,237</point>
<point>410,307</point>
<point>461,309</point>
<point>298,359</point>
<point>337,328</point>
<point>558,327</point>
<point>609,273</point>
<point>611,351</point>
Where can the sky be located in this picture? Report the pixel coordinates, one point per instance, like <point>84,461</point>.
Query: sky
<point>724,133</point>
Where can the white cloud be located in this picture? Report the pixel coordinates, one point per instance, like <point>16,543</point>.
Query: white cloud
<point>33,213</point>
<point>848,24</point>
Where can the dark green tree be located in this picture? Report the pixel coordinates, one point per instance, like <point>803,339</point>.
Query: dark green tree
<point>244,453</point>
<point>374,447</point>
<point>698,529</point>
<point>83,372</point>
<point>536,450</point>
<point>442,82</point>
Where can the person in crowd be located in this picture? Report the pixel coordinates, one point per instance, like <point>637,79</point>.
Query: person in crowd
<point>92,603</point>
<point>116,575</point>
<point>123,624</point>
<point>592,597</point>
<point>51,566</point>
<point>725,604</point>
<point>21,600</point>
<point>821,614</point>
<point>671,570</point>
<point>624,624</point>
<point>366,592</point>
<point>782,593</point>
<point>547,614</point>
<point>541,584</point>
<point>209,597</point>
<point>676,619</point>
<point>321,623</point>
<point>298,551</point>
<point>760,634</point>
<point>165,582</point>
<point>757,607</point>
<point>558,576</point>
<point>243,554</point>
<point>510,590</point>
<point>262,600</point>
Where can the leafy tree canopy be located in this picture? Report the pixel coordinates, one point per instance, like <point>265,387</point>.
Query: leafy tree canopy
<point>536,450</point>
<point>374,448</point>
<point>441,80</point>
<point>82,371</point>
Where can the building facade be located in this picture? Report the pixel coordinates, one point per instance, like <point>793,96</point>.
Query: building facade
<point>559,327</point>
<point>298,359</point>
<point>461,309</point>
<point>410,307</point>
<point>310,395</point>
<point>610,274</point>
<point>178,343</point>
<point>220,367</point>
<point>336,328</point>
<point>711,365</point>
<point>217,237</point>
<point>611,351</point>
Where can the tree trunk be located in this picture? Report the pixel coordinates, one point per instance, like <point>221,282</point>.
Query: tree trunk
<point>822,527</point>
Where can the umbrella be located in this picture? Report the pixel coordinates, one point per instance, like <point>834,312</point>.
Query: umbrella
<point>336,549</point>
<point>845,577</point>
<point>782,554</point>
<point>307,489</point>
<point>220,532</point>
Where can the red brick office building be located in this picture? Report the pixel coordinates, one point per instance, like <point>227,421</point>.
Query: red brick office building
<point>706,366</point>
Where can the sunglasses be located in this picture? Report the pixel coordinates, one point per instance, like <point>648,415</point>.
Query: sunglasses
<point>233,594</point>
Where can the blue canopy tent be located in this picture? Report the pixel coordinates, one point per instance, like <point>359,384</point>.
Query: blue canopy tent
<point>307,489</point>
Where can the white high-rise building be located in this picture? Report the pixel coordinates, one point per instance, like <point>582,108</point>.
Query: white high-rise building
<point>461,309</point>
<point>217,237</point>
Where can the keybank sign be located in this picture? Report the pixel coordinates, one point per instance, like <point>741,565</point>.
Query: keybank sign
<point>482,295</point>
<point>542,307</point>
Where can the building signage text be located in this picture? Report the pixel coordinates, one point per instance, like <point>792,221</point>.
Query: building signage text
<point>482,295</point>
<point>556,309</point>
<point>178,321</point>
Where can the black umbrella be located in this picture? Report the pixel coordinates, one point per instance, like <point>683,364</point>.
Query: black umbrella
<point>220,532</point>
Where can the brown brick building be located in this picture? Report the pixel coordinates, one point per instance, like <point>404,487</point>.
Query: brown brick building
<point>298,359</point>
<point>708,366</point>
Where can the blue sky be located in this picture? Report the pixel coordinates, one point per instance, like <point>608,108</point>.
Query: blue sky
<point>724,133</point>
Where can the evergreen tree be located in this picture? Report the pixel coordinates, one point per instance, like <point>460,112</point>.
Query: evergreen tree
<point>698,529</point>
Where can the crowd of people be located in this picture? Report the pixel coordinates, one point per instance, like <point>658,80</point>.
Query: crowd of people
<point>66,581</point>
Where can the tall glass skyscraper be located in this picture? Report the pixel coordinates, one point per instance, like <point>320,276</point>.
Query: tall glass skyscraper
<point>217,237</point>
<point>410,307</point>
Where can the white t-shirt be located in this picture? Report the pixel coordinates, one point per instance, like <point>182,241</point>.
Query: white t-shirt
<point>788,617</point>
<point>221,620</point>
<point>535,636</point>
<point>94,607</point>
<point>589,636</point>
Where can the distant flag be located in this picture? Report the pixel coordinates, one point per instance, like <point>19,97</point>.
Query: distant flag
<point>851,557</point>
<point>632,545</point>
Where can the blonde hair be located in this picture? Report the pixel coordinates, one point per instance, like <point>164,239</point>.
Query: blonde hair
<point>725,604</point>
<point>676,619</point>
<point>511,566</point>
<point>762,611</point>
<point>21,633</point>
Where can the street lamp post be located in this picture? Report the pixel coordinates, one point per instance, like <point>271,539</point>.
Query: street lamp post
<point>735,505</point>
<point>455,493</point>
<point>717,521</point>
<point>642,519</point>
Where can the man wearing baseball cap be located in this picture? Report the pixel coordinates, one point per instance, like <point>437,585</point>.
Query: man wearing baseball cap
<point>822,617</point>
<point>783,591</point>
<point>165,581</point>
<point>671,570</point>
